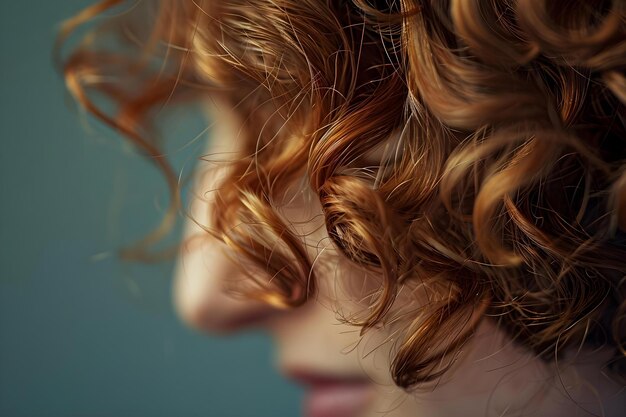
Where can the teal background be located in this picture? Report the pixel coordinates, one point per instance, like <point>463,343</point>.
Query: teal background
<point>81,333</point>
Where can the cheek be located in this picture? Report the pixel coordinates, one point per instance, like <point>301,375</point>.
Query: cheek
<point>348,290</point>
<point>345,297</point>
<point>322,333</point>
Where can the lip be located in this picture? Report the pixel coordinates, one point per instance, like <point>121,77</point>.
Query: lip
<point>333,395</point>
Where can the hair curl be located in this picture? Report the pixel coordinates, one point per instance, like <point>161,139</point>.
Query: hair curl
<point>505,187</point>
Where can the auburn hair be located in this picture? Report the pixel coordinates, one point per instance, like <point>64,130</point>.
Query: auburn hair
<point>503,186</point>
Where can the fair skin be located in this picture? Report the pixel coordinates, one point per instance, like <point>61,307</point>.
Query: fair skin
<point>348,375</point>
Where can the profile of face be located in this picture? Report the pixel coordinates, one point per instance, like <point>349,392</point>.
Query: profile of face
<point>422,202</point>
<point>313,347</point>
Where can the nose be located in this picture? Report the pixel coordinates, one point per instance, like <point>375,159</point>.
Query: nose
<point>201,295</point>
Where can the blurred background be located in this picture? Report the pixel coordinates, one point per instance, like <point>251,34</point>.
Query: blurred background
<point>82,333</point>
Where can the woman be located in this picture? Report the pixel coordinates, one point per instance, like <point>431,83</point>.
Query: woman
<point>424,202</point>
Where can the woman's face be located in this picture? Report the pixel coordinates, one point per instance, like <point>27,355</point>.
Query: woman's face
<point>345,375</point>
<point>313,347</point>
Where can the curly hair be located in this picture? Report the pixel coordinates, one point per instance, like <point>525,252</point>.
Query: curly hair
<point>502,182</point>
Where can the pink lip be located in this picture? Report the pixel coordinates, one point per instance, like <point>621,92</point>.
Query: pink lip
<point>333,396</point>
